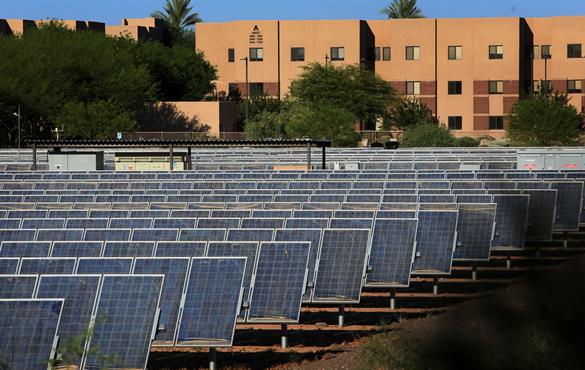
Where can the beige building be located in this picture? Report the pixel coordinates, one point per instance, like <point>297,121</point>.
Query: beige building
<point>470,72</point>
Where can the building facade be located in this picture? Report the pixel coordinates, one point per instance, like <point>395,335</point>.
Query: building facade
<point>470,72</point>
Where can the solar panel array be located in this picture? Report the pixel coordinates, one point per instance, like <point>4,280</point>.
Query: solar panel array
<point>176,259</point>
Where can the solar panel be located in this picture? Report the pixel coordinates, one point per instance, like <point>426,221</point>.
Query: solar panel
<point>237,249</point>
<point>261,213</point>
<point>541,214</point>
<point>17,235</point>
<point>27,332</point>
<point>190,213</point>
<point>175,223</point>
<point>250,235</point>
<point>128,249</point>
<point>438,198</point>
<point>218,223</point>
<point>17,286</point>
<point>511,220</point>
<point>568,206</point>
<point>97,235</point>
<point>60,235</point>
<point>8,266</point>
<point>212,302</point>
<point>11,223</point>
<point>43,223</point>
<point>436,235</point>
<point>304,213</point>
<point>477,198</point>
<point>230,213</point>
<point>341,265</point>
<point>166,235</point>
<point>47,266</point>
<point>130,223</point>
<point>392,252</point>
<point>76,249</point>
<point>175,272</point>
<point>87,223</point>
<point>197,235</point>
<point>125,320</point>
<point>262,223</point>
<point>25,249</point>
<point>475,230</point>
<point>279,282</point>
<point>306,223</point>
<point>80,293</point>
<point>351,223</point>
<point>92,266</point>
<point>180,249</point>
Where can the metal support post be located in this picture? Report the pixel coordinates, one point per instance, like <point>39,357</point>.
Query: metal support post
<point>435,286</point>
<point>212,359</point>
<point>308,156</point>
<point>323,161</point>
<point>34,157</point>
<point>171,158</point>
<point>392,300</point>
<point>189,160</point>
<point>474,271</point>
<point>508,261</point>
<point>341,317</point>
<point>284,336</point>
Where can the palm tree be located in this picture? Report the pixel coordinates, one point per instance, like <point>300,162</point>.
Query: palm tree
<point>177,15</point>
<point>402,9</point>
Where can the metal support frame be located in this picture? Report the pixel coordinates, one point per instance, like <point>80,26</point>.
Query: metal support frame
<point>171,158</point>
<point>34,157</point>
<point>435,286</point>
<point>323,162</point>
<point>212,358</point>
<point>308,156</point>
<point>392,300</point>
<point>508,261</point>
<point>189,160</point>
<point>341,316</point>
<point>474,271</point>
<point>284,336</point>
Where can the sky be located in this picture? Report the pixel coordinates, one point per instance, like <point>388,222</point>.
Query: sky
<point>112,11</point>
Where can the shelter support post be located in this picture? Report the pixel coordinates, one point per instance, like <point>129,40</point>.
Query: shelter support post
<point>508,261</point>
<point>308,156</point>
<point>171,157</point>
<point>34,157</point>
<point>323,161</point>
<point>392,300</point>
<point>474,271</point>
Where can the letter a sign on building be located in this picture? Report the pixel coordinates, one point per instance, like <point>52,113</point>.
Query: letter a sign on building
<point>256,36</point>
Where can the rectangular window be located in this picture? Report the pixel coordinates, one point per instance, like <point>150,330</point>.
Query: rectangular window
<point>535,86</point>
<point>412,53</point>
<point>297,54</point>
<point>455,87</point>
<point>377,55</point>
<point>535,52</point>
<point>256,54</point>
<point>386,55</point>
<point>496,122</point>
<point>455,122</point>
<point>496,52</point>
<point>455,52</point>
<point>338,54</point>
<point>256,88</point>
<point>412,88</point>
<point>574,86</point>
<point>574,51</point>
<point>545,52</point>
<point>231,55</point>
<point>496,87</point>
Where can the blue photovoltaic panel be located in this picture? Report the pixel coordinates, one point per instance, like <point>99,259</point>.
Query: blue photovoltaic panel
<point>475,229</point>
<point>392,252</point>
<point>25,249</point>
<point>341,265</point>
<point>89,266</point>
<point>568,206</point>
<point>541,214</point>
<point>250,235</point>
<point>262,223</point>
<point>478,198</point>
<point>237,249</point>
<point>212,301</point>
<point>279,282</point>
<point>87,223</point>
<point>11,223</point>
<point>163,235</point>
<point>307,213</point>
<point>130,223</point>
<point>125,320</point>
<point>312,235</point>
<point>436,198</point>
<point>97,235</point>
<point>175,223</point>
<point>60,235</point>
<point>435,238</point>
<point>180,249</point>
<point>511,220</point>
<point>350,223</point>
<point>76,249</point>
<point>80,293</point>
<point>175,272</point>
<point>27,332</point>
<point>19,286</point>
<point>353,214</point>
<point>202,235</point>
<point>218,223</point>
<point>307,223</point>
<point>18,235</point>
<point>396,214</point>
<point>8,266</point>
<point>128,249</point>
<point>47,266</point>
<point>42,223</point>
<point>532,185</point>
<point>271,213</point>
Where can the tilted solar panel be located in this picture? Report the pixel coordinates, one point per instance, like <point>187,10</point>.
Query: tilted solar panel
<point>130,223</point>
<point>212,302</point>
<point>18,235</point>
<point>87,223</point>
<point>47,266</point>
<point>541,214</point>
<point>125,321</point>
<point>9,266</point>
<point>17,286</point>
<point>392,252</point>
<point>218,223</point>
<point>511,221</point>
<point>25,249</point>
<point>128,249</point>
<point>180,249</point>
<point>306,223</point>
<point>569,205</point>
<point>475,230</point>
<point>27,332</point>
<point>175,223</point>
<point>262,223</point>
<point>98,235</point>
<point>279,282</point>
<point>341,265</point>
<point>436,236</point>
<point>76,249</point>
<point>92,266</point>
<point>351,223</point>
<point>250,235</point>
<point>163,235</point>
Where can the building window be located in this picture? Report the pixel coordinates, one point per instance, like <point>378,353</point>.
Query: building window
<point>231,55</point>
<point>386,55</point>
<point>376,54</point>
<point>496,52</point>
<point>455,122</point>
<point>233,89</point>
<point>256,54</point>
<point>297,54</point>
<point>535,53</point>
<point>455,52</point>
<point>338,54</point>
<point>535,86</point>
<point>496,122</point>
<point>574,51</point>
<point>412,53</point>
<point>574,86</point>
<point>455,87</point>
<point>496,87</point>
<point>545,52</point>
<point>412,88</point>
<point>256,88</point>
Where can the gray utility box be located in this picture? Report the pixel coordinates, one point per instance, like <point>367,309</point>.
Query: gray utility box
<point>551,159</point>
<point>76,161</point>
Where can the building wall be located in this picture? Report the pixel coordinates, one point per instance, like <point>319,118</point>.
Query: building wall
<point>219,116</point>
<point>433,70</point>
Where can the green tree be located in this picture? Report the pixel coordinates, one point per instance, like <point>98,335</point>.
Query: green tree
<point>409,111</point>
<point>266,125</point>
<point>544,120</point>
<point>98,119</point>
<point>427,135</point>
<point>321,121</point>
<point>402,9</point>
<point>178,15</point>
<point>352,88</point>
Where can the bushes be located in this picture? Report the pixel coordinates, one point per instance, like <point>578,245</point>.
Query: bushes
<point>427,135</point>
<point>466,141</point>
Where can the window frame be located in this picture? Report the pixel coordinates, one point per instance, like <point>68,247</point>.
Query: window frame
<point>575,89</point>
<point>457,87</point>
<point>384,54</point>
<point>542,52</point>
<point>292,54</point>
<point>337,58</point>
<point>255,57</point>
<point>572,53</point>
<point>377,54</point>
<point>496,55</point>
<point>415,86</point>
<point>256,88</point>
<point>535,53</point>
<point>415,52</point>
<point>499,122</point>
<point>457,125</point>
<point>497,90</point>
<point>455,48</point>
<point>231,55</point>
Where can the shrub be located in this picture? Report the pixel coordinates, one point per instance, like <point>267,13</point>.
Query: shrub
<point>266,125</point>
<point>427,135</point>
<point>466,141</point>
